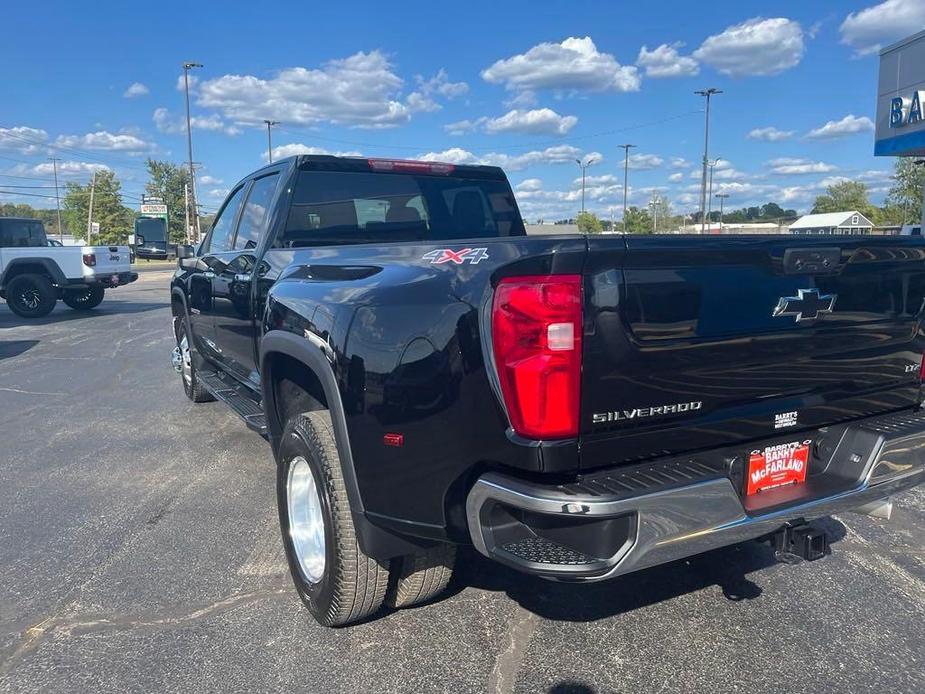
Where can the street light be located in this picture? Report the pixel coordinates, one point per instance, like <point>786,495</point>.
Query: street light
<point>707,93</point>
<point>270,124</point>
<point>710,196</point>
<point>626,168</point>
<point>584,168</point>
<point>653,205</point>
<point>189,145</point>
<point>722,198</point>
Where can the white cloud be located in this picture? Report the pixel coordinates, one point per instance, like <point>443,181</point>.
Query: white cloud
<point>290,150</point>
<point>770,134</point>
<point>421,102</point>
<point>174,125</point>
<point>23,139</point>
<point>524,99</point>
<point>560,154</point>
<point>757,46</point>
<point>870,29</point>
<point>135,89</point>
<point>359,91</point>
<point>603,180</point>
<point>69,167</point>
<point>643,162</point>
<point>217,193</point>
<point>193,83</point>
<point>210,180</point>
<point>529,184</point>
<point>787,166</point>
<point>849,125</point>
<point>103,140</point>
<point>573,65</point>
<point>541,121</point>
<point>680,163</point>
<point>665,61</point>
<point>676,177</point>
<point>422,99</point>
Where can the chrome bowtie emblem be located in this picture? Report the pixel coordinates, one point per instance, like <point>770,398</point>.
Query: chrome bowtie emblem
<point>807,305</point>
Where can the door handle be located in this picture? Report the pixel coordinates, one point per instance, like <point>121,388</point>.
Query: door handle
<point>209,274</point>
<point>242,277</point>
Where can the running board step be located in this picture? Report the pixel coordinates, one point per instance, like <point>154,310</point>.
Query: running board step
<point>237,397</point>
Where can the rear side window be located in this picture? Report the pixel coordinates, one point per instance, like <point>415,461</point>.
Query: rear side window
<point>223,226</point>
<point>337,207</point>
<point>21,233</point>
<point>255,213</point>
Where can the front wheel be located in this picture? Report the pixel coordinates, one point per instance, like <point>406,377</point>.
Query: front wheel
<point>192,386</point>
<point>30,296</point>
<point>337,582</point>
<point>83,299</point>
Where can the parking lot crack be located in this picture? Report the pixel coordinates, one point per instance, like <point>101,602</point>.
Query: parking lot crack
<point>507,664</point>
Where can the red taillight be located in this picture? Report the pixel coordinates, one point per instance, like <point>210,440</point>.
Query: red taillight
<point>407,166</point>
<point>89,259</point>
<point>536,335</point>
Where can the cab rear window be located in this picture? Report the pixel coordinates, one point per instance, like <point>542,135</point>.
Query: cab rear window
<point>339,207</point>
<point>22,233</point>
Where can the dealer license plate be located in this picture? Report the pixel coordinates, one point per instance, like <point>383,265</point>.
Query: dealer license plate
<point>777,465</point>
<point>114,279</point>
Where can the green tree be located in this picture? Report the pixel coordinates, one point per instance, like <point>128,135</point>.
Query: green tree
<point>114,218</point>
<point>846,196</point>
<point>588,223</point>
<point>904,201</point>
<point>637,221</point>
<point>167,181</point>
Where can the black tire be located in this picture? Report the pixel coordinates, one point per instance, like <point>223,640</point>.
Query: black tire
<point>83,299</point>
<point>352,585</point>
<point>420,577</point>
<point>31,296</point>
<point>192,386</point>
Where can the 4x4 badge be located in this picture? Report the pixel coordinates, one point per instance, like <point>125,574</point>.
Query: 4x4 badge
<point>447,255</point>
<point>807,305</point>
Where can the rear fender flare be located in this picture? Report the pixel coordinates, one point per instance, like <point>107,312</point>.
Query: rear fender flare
<point>282,342</point>
<point>47,264</point>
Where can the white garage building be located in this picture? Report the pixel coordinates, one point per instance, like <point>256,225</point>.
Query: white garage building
<point>852,222</point>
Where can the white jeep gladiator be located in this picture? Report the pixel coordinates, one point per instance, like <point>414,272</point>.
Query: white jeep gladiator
<point>34,275</point>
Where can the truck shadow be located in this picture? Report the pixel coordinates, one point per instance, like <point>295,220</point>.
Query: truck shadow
<point>13,348</point>
<point>728,568</point>
<point>62,314</point>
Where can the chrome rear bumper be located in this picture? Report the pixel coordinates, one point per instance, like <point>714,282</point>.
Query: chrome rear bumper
<point>579,532</point>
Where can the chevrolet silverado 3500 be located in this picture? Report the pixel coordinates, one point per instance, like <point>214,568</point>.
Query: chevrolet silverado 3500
<point>575,407</point>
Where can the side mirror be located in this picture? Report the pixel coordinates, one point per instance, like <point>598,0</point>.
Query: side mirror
<point>184,251</point>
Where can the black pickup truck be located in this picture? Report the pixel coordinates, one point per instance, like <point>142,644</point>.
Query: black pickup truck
<point>575,407</point>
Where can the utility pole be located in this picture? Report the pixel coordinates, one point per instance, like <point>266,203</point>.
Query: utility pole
<point>708,93</point>
<point>584,168</point>
<point>186,204</point>
<point>189,144</point>
<point>270,124</point>
<point>54,164</point>
<point>626,168</point>
<point>654,203</point>
<point>710,194</point>
<point>722,198</point>
<point>90,212</point>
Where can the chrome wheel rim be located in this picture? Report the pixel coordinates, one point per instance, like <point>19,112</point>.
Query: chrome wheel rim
<point>187,361</point>
<point>306,520</point>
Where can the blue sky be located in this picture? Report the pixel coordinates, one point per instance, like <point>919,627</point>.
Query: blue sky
<point>529,86</point>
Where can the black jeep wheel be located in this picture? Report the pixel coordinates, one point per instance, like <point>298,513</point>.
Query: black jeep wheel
<point>31,296</point>
<point>337,582</point>
<point>83,299</point>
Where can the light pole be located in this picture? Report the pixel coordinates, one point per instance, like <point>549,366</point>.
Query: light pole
<point>626,168</point>
<point>584,168</point>
<point>189,146</point>
<point>54,164</point>
<point>722,198</point>
<point>653,205</point>
<point>708,93</point>
<point>710,195</point>
<point>270,124</point>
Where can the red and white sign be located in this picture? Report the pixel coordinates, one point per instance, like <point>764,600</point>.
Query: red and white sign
<point>778,465</point>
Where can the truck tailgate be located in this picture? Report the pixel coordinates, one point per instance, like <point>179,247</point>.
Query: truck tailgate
<point>693,343</point>
<point>110,260</point>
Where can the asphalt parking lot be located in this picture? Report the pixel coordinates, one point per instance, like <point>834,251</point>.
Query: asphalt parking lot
<point>139,551</point>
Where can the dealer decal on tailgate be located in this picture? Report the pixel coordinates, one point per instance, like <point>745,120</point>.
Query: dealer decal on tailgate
<point>777,465</point>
